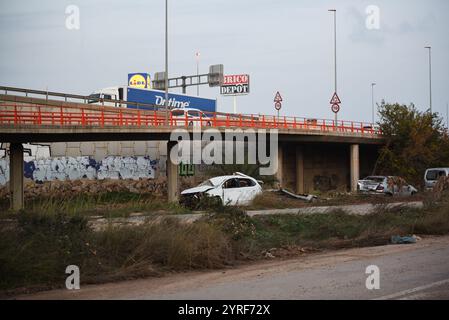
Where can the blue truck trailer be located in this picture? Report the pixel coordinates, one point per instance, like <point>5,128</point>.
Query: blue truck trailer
<point>152,97</point>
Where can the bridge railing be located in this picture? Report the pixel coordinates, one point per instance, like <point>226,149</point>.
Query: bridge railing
<point>99,116</point>
<point>68,97</point>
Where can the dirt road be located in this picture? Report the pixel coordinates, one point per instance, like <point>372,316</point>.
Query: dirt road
<point>414,271</point>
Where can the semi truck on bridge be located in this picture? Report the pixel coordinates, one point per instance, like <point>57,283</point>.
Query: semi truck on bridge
<point>149,97</point>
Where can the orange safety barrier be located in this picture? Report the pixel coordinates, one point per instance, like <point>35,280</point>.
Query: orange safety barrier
<point>44,115</point>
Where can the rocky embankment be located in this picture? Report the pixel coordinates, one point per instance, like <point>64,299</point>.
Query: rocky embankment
<point>56,188</point>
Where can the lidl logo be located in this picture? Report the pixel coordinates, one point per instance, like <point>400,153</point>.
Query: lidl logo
<point>139,80</point>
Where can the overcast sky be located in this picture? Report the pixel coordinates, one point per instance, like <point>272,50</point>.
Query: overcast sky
<point>284,45</point>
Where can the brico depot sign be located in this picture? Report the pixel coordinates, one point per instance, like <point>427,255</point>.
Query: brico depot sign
<point>235,85</point>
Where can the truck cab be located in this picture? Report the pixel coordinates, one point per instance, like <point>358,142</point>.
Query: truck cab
<point>111,93</point>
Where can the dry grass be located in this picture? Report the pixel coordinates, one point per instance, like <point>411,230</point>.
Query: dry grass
<point>111,204</point>
<point>37,250</point>
<point>277,200</point>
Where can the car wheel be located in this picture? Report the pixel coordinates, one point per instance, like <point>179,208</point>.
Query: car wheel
<point>217,201</point>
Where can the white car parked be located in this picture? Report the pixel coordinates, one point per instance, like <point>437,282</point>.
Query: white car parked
<point>191,117</point>
<point>237,189</point>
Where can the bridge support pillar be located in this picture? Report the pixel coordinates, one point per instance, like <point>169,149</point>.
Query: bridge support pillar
<point>16,176</point>
<point>299,170</point>
<point>280,160</point>
<point>172,172</point>
<point>354,166</point>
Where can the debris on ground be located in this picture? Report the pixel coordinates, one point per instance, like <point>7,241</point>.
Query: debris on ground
<point>404,239</point>
<point>286,251</point>
<point>305,197</point>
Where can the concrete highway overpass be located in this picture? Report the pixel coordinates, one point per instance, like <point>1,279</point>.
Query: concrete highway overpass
<point>307,147</point>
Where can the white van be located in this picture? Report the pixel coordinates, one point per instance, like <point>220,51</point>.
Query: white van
<point>433,174</point>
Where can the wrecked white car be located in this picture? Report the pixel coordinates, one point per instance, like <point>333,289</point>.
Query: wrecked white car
<point>388,185</point>
<point>237,189</point>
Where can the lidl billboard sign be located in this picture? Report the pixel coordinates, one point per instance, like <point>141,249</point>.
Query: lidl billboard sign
<point>139,80</point>
<point>237,84</point>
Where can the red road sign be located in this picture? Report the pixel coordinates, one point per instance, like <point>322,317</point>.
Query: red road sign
<point>278,97</point>
<point>277,106</point>
<point>335,99</point>
<point>335,108</point>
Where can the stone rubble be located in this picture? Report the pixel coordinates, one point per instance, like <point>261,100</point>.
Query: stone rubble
<point>58,188</point>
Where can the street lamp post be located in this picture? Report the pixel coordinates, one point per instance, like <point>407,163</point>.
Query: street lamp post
<point>166,61</point>
<point>335,51</point>
<point>372,102</point>
<point>197,72</point>
<point>430,77</point>
<point>447,116</point>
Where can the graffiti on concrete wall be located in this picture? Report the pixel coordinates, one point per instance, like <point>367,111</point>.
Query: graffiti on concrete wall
<point>4,171</point>
<point>126,168</point>
<point>31,151</point>
<point>73,168</point>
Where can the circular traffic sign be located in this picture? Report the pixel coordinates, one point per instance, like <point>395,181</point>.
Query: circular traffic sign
<point>335,108</point>
<point>277,106</point>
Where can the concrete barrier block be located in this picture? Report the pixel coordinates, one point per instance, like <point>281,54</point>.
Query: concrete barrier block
<point>140,148</point>
<point>127,152</point>
<point>127,144</point>
<point>114,148</point>
<point>58,149</point>
<point>73,152</point>
<point>87,148</point>
<point>73,144</point>
<point>153,144</point>
<point>100,153</point>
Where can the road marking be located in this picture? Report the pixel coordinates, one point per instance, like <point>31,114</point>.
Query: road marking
<point>409,291</point>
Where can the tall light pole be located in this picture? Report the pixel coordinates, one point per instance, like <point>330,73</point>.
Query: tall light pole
<point>430,77</point>
<point>447,116</point>
<point>197,55</point>
<point>166,61</point>
<point>372,101</point>
<point>335,50</point>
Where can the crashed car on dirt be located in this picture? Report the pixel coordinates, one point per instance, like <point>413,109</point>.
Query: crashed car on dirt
<point>237,189</point>
<point>388,185</point>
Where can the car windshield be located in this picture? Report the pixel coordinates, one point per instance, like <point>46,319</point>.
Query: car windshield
<point>94,98</point>
<point>375,179</point>
<point>434,174</point>
<point>206,183</point>
<point>193,113</point>
<point>177,113</point>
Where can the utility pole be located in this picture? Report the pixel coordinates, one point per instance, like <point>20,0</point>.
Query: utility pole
<point>372,102</point>
<point>430,77</point>
<point>335,53</point>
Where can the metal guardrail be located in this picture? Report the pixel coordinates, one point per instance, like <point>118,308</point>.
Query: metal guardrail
<point>33,113</point>
<point>20,114</point>
<point>80,98</point>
